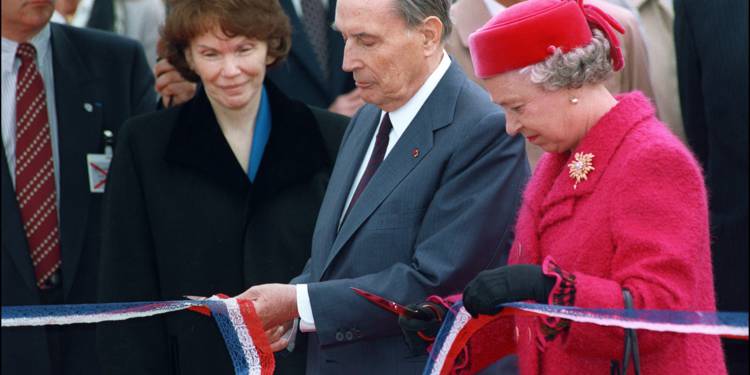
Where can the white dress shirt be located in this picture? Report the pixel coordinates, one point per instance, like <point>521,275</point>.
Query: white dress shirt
<point>400,119</point>
<point>10,66</point>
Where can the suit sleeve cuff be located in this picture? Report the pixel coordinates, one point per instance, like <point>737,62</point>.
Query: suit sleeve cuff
<point>307,322</point>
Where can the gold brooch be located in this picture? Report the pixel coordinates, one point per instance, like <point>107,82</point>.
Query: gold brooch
<point>580,167</point>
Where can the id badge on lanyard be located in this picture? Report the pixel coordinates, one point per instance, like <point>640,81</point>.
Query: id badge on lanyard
<point>98,164</point>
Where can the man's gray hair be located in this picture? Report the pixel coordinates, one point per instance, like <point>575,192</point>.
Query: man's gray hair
<point>589,64</point>
<point>416,11</point>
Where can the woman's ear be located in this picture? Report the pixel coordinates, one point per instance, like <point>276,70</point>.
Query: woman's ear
<point>189,58</point>
<point>270,60</point>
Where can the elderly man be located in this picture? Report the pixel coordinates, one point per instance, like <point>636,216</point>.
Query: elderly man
<point>422,197</point>
<point>66,91</point>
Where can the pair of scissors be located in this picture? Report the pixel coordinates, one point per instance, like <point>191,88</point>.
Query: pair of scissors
<point>392,306</point>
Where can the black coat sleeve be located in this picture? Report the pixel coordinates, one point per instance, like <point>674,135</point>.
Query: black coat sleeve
<point>128,272</point>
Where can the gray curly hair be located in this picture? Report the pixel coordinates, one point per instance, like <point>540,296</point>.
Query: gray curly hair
<point>589,64</point>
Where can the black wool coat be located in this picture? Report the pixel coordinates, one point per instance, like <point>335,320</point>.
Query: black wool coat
<point>182,218</point>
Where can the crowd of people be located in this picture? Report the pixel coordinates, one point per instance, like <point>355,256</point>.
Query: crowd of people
<point>588,153</point>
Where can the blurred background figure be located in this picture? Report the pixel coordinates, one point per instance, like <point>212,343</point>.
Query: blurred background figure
<point>312,73</point>
<point>470,15</point>
<point>712,50</point>
<point>656,18</point>
<point>62,88</point>
<point>214,195</point>
<point>137,19</point>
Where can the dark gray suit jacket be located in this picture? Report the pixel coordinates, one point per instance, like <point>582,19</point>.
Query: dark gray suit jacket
<point>111,73</point>
<point>425,224</point>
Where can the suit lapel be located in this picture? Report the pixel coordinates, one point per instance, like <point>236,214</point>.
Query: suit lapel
<point>295,150</point>
<point>14,236</point>
<point>436,113</point>
<point>79,109</point>
<point>345,169</point>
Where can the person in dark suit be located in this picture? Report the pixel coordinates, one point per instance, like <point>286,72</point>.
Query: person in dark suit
<point>86,82</point>
<point>214,195</point>
<point>308,75</point>
<point>711,45</point>
<point>422,197</point>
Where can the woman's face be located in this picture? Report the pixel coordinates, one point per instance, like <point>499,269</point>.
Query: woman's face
<point>545,118</point>
<point>231,69</point>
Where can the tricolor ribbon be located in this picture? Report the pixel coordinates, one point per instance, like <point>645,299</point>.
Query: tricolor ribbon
<point>239,325</point>
<point>251,354</point>
<point>458,326</point>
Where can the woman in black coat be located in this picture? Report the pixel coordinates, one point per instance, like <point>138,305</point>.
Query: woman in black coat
<point>213,196</point>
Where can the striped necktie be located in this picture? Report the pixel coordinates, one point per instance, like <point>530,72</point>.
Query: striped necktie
<point>35,172</point>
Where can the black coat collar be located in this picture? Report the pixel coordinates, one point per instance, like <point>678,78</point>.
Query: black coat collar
<point>295,149</point>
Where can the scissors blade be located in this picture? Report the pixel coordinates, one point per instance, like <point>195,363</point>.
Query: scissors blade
<point>386,304</point>
<point>196,298</point>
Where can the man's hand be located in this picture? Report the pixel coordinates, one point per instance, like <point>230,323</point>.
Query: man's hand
<point>171,86</point>
<point>275,304</point>
<point>420,330</point>
<point>276,336</point>
<point>347,104</point>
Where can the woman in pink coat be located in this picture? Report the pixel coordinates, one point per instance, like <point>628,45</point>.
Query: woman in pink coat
<point>616,202</point>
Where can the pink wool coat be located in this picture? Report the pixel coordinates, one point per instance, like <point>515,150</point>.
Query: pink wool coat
<point>640,221</point>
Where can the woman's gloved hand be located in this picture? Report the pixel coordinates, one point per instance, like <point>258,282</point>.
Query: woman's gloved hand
<point>421,328</point>
<point>506,284</point>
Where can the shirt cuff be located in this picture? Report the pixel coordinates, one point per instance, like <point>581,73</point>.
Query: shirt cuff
<point>306,322</point>
<point>291,335</point>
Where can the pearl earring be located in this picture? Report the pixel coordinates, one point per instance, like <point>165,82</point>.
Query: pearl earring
<point>573,100</point>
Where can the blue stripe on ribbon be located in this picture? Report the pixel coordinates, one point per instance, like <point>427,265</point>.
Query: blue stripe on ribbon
<point>59,311</point>
<point>737,320</point>
<point>221,315</point>
<point>448,320</point>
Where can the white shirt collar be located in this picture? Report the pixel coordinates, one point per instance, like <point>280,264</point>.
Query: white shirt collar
<point>40,41</point>
<point>402,117</point>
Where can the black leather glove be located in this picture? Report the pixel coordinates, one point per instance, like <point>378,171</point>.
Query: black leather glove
<point>506,284</point>
<point>420,329</point>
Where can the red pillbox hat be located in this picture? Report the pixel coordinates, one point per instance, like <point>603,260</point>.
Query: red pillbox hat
<point>526,33</point>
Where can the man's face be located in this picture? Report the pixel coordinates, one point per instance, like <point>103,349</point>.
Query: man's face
<point>387,58</point>
<point>22,19</point>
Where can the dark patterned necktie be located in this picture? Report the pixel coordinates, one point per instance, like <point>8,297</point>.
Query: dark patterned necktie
<point>316,26</point>
<point>35,171</point>
<point>378,154</point>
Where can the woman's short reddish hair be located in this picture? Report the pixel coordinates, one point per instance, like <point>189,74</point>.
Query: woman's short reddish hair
<point>264,20</point>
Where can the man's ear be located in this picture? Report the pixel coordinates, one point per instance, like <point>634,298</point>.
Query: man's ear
<point>432,32</point>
